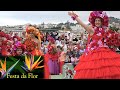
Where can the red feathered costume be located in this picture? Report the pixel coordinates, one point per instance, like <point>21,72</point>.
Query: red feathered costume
<point>98,61</point>
<point>31,46</point>
<point>48,57</point>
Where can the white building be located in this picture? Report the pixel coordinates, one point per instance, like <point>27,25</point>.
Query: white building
<point>15,29</point>
<point>49,25</point>
<point>77,28</point>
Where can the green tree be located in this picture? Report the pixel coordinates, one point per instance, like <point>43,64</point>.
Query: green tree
<point>114,28</point>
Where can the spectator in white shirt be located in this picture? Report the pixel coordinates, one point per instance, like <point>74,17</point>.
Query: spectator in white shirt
<point>64,46</point>
<point>58,42</point>
<point>74,60</point>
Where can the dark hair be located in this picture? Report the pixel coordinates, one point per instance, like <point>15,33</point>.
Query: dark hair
<point>119,47</point>
<point>73,55</point>
<point>36,37</point>
<point>58,38</point>
<point>37,28</point>
<point>29,25</point>
<point>60,47</point>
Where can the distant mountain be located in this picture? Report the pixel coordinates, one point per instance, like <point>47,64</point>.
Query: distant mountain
<point>113,19</point>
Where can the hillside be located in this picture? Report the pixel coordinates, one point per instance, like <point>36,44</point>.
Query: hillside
<point>113,19</point>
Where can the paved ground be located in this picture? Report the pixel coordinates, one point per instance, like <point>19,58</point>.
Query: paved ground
<point>56,76</point>
<point>63,75</point>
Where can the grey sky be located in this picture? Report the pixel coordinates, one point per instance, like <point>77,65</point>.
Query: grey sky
<point>37,17</point>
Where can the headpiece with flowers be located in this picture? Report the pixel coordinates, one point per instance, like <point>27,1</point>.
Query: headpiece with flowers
<point>30,45</point>
<point>7,36</point>
<point>51,39</point>
<point>52,48</point>
<point>98,14</point>
<point>2,34</point>
<point>6,48</point>
<point>17,37</point>
<point>19,45</point>
<point>35,31</point>
<point>31,29</point>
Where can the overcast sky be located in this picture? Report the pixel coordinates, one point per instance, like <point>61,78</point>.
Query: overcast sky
<point>37,17</point>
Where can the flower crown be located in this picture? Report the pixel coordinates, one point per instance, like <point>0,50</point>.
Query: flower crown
<point>51,39</point>
<point>52,50</point>
<point>33,30</point>
<point>17,37</point>
<point>2,34</point>
<point>98,14</point>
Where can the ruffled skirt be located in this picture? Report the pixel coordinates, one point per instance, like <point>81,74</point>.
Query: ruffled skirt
<point>99,64</point>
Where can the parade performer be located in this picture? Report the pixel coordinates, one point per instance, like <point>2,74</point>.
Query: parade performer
<point>33,41</point>
<point>16,38</point>
<point>5,44</point>
<point>18,49</point>
<point>62,58</point>
<point>51,60</point>
<point>98,60</point>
